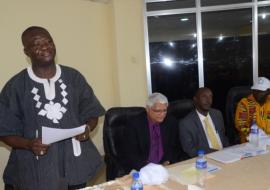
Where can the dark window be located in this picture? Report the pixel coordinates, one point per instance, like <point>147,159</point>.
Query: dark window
<point>264,41</point>
<point>227,50</point>
<point>173,55</point>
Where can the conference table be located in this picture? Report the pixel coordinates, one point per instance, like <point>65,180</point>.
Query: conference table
<point>252,173</point>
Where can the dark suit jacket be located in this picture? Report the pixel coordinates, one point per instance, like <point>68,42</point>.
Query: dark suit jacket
<point>192,135</point>
<point>137,144</point>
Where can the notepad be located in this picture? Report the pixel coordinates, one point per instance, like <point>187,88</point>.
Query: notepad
<point>238,152</point>
<point>225,156</point>
<point>187,173</point>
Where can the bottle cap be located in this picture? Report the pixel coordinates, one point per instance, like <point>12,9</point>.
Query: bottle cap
<point>135,175</point>
<point>200,152</point>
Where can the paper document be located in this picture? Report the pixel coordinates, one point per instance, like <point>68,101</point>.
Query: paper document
<point>225,156</point>
<point>248,150</point>
<point>265,141</point>
<point>52,135</point>
<point>187,173</point>
<point>238,152</point>
<point>194,187</point>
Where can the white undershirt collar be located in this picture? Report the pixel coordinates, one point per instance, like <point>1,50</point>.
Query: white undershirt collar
<point>34,77</point>
<point>49,84</point>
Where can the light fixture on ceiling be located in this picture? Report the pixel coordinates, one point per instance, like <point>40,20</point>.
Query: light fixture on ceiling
<point>167,62</point>
<point>263,15</point>
<point>193,46</point>
<point>184,19</point>
<point>171,44</point>
<point>220,38</point>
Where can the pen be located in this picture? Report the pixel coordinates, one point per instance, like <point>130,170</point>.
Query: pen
<point>36,137</point>
<point>212,170</point>
<point>247,155</point>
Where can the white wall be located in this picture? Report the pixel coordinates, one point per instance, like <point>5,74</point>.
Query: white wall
<point>103,41</point>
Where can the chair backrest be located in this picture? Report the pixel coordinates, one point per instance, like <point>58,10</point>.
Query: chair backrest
<point>180,108</point>
<point>113,133</point>
<point>235,94</point>
<point>113,138</point>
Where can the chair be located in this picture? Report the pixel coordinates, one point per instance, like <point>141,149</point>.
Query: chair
<point>113,129</point>
<point>234,95</point>
<point>113,138</point>
<point>180,108</point>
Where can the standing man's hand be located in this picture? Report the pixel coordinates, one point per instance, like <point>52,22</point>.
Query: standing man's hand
<point>84,136</point>
<point>90,126</point>
<point>34,145</point>
<point>37,147</point>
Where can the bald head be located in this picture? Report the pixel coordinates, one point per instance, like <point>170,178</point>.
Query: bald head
<point>39,46</point>
<point>33,31</point>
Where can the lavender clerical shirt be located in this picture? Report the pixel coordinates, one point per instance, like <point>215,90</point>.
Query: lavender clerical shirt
<point>156,148</point>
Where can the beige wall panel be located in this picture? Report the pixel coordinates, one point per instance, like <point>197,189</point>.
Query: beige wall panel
<point>128,15</point>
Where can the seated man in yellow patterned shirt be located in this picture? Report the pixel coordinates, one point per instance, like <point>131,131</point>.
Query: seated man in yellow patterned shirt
<point>255,107</point>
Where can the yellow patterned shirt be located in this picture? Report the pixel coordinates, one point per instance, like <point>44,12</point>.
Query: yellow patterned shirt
<point>249,110</point>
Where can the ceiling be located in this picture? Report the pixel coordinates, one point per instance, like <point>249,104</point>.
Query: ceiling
<point>237,22</point>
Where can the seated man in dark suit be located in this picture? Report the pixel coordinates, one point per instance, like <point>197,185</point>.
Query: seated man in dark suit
<point>151,136</point>
<point>203,128</point>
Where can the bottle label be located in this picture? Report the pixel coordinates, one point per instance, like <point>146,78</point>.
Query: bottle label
<point>254,130</point>
<point>201,164</point>
<point>136,188</point>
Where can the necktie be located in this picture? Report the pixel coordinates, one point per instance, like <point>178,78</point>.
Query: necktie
<point>156,140</point>
<point>211,134</point>
<point>156,150</point>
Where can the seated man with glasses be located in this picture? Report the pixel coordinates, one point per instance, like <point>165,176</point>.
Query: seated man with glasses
<point>151,137</point>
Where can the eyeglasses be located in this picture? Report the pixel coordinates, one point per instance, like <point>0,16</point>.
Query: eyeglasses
<point>159,110</point>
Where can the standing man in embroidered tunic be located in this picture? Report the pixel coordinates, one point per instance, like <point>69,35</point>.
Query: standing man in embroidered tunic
<point>254,108</point>
<point>51,95</point>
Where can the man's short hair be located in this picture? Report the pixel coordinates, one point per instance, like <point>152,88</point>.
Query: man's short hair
<point>33,30</point>
<point>156,98</point>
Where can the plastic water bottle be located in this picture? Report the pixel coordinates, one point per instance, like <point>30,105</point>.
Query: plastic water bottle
<point>136,184</point>
<point>201,167</point>
<point>254,134</point>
